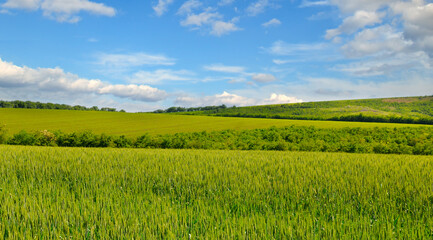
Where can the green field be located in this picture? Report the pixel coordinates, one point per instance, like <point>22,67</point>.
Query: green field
<point>397,110</point>
<point>74,193</point>
<point>137,124</point>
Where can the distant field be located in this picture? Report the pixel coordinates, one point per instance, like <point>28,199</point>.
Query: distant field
<point>64,193</point>
<point>136,124</point>
<point>396,110</point>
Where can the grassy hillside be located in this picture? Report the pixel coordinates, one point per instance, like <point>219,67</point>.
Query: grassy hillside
<point>408,110</point>
<point>61,193</point>
<point>137,124</point>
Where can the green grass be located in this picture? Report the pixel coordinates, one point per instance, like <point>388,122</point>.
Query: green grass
<point>137,124</point>
<point>61,193</point>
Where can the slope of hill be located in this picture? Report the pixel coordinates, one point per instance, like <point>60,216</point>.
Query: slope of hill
<point>397,110</point>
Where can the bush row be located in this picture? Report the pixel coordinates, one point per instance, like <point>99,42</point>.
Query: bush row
<point>417,141</point>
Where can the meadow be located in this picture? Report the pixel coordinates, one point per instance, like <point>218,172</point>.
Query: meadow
<point>138,124</point>
<point>75,193</point>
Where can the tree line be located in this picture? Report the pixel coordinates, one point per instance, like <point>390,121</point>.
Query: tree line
<point>191,109</point>
<point>39,105</point>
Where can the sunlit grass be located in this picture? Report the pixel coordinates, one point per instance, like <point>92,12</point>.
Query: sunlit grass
<point>55,193</point>
<point>137,124</point>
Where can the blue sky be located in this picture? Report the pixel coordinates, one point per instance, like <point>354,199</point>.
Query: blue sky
<point>146,55</point>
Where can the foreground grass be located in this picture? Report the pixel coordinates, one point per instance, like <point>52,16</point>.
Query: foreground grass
<point>55,193</point>
<point>137,124</point>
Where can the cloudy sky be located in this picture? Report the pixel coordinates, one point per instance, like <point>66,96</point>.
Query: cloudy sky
<point>149,54</point>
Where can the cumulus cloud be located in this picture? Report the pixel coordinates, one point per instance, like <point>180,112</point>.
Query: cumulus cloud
<point>55,80</point>
<point>133,60</point>
<point>263,78</point>
<point>380,40</point>
<point>62,10</point>
<point>351,24</point>
<point>272,22</point>
<point>280,98</point>
<point>417,18</point>
<point>161,7</point>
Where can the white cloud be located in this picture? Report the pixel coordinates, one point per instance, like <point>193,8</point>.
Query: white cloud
<point>356,5</point>
<point>280,61</point>
<point>135,92</point>
<point>218,99</point>
<point>330,88</point>
<point>306,3</point>
<point>417,19</point>
<point>376,41</point>
<point>386,66</point>
<point>133,60</point>
<point>162,7</point>
<point>62,10</point>
<point>55,80</point>
<point>200,19</point>
<point>188,6</point>
<point>211,20</point>
<point>22,4</point>
<point>257,7</point>
<point>159,76</point>
<point>351,24</point>
<point>321,89</point>
<point>280,98</point>
<point>224,68</point>
<point>272,22</point>
<point>208,19</point>
<point>231,99</point>
<point>263,77</point>
<point>381,33</point>
<point>220,28</point>
<point>282,48</point>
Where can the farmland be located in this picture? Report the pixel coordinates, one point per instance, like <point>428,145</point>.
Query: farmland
<point>137,124</point>
<point>165,194</point>
<point>397,110</point>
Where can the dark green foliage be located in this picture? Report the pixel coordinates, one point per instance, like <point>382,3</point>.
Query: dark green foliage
<point>3,134</point>
<point>417,110</point>
<point>38,105</point>
<point>192,109</point>
<point>409,140</point>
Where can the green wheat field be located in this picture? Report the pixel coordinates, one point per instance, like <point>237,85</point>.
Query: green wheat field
<point>76,193</point>
<point>137,124</point>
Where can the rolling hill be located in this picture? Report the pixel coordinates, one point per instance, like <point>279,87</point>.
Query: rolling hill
<point>396,110</point>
